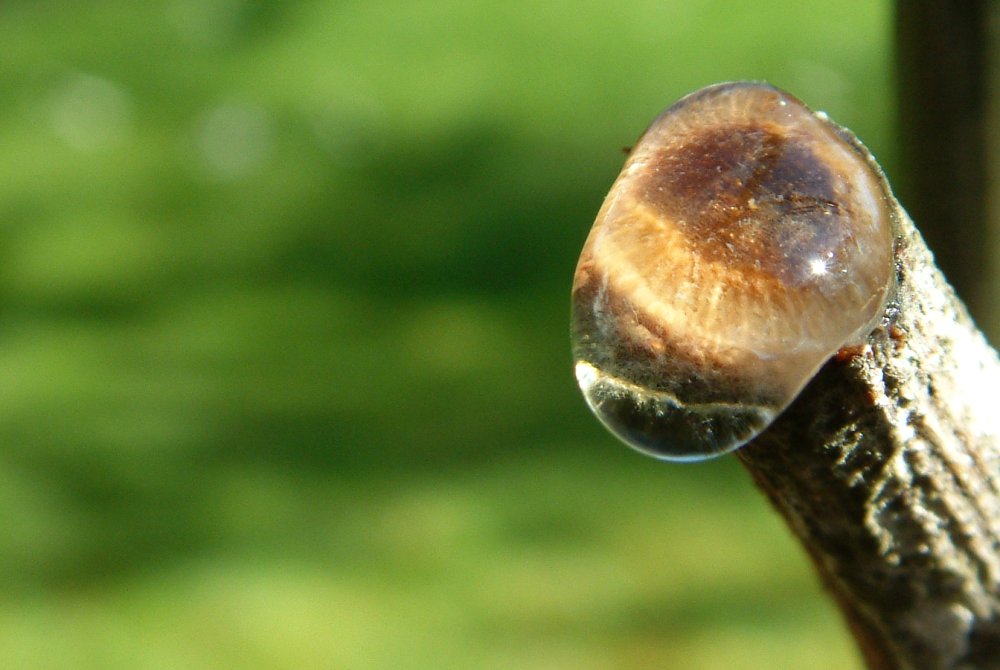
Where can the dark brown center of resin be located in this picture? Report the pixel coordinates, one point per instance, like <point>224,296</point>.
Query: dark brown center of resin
<point>749,196</point>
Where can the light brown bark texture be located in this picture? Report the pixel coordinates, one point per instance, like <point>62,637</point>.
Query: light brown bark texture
<point>887,468</point>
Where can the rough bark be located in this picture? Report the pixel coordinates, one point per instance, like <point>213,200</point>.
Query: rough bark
<point>887,468</point>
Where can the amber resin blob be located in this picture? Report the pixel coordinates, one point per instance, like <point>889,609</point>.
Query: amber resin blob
<point>746,240</point>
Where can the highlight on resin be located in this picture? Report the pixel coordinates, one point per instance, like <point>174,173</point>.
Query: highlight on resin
<point>745,241</point>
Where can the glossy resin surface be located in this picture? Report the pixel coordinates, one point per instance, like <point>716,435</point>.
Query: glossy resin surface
<point>745,241</point>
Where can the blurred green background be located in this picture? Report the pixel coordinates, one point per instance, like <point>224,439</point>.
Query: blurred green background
<point>284,361</point>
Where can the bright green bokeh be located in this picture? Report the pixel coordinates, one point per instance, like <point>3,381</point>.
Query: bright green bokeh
<point>284,363</point>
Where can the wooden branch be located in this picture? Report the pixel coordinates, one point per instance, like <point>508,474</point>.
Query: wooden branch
<point>887,468</point>
<point>745,240</point>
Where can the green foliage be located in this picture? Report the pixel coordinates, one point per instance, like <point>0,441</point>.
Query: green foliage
<point>283,340</point>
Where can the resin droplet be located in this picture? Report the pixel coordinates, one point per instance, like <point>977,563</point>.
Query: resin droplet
<point>746,240</point>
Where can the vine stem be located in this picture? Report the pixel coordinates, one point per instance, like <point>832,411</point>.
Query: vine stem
<point>887,469</point>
